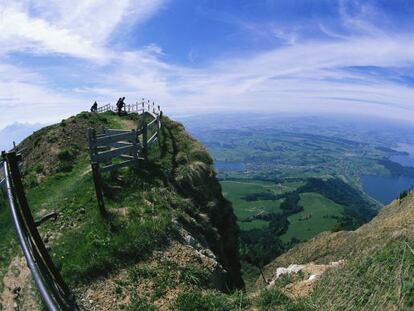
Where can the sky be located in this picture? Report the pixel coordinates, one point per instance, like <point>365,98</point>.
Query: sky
<point>204,56</point>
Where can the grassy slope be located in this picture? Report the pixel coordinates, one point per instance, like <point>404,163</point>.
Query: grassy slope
<point>379,270</point>
<point>177,182</point>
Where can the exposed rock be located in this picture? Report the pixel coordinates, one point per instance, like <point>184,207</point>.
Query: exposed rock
<point>302,287</point>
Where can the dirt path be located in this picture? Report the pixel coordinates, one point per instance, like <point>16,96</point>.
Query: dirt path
<point>18,292</point>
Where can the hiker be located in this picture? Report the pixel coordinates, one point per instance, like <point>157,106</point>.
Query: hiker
<point>94,107</point>
<point>120,104</point>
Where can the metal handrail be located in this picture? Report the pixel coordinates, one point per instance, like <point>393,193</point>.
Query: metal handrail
<point>53,290</point>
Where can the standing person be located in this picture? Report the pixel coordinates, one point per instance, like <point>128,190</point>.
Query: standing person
<point>120,104</point>
<point>94,107</point>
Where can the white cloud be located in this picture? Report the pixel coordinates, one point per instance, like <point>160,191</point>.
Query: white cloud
<point>78,28</point>
<point>301,76</point>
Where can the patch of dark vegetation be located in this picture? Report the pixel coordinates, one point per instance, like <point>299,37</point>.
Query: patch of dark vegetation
<point>357,210</point>
<point>261,196</point>
<point>260,246</point>
<point>67,157</point>
<point>403,194</point>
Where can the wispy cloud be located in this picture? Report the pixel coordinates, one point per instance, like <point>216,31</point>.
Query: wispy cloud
<point>305,74</point>
<point>76,28</point>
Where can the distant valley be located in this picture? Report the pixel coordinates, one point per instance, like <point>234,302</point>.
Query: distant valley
<point>292,177</point>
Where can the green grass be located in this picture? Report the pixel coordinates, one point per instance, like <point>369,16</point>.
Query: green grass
<point>211,301</point>
<point>315,218</point>
<point>275,299</point>
<point>236,190</point>
<point>254,224</point>
<point>8,239</point>
<point>373,279</point>
<point>85,231</point>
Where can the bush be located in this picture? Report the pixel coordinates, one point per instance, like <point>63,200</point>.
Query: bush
<point>403,195</point>
<point>67,158</point>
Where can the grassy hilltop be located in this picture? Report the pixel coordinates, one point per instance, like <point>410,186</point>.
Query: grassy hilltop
<point>171,229</point>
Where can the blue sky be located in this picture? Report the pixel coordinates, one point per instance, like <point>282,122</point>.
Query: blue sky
<point>196,56</point>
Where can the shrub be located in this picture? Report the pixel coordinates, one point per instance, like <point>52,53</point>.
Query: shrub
<point>67,158</point>
<point>403,195</point>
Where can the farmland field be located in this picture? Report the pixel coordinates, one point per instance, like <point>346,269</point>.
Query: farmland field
<point>319,214</point>
<point>291,177</point>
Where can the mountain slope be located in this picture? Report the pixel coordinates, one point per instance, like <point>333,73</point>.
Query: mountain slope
<point>379,263</point>
<point>171,233</point>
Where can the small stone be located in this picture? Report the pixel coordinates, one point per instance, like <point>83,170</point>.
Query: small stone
<point>314,277</point>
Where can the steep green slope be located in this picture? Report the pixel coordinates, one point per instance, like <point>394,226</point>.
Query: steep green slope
<point>378,273</point>
<point>171,206</point>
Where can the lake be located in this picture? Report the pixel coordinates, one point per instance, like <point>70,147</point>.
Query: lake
<point>406,159</point>
<point>385,188</point>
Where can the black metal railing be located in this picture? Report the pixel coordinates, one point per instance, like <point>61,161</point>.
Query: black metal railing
<point>52,288</point>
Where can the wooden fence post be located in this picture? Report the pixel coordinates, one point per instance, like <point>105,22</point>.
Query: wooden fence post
<point>135,149</point>
<point>144,139</point>
<point>95,171</point>
<point>98,189</point>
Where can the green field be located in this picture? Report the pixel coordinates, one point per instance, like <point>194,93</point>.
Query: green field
<point>315,218</point>
<point>235,190</point>
<point>319,214</point>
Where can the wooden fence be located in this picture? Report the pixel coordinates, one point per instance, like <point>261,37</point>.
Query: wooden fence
<point>104,148</point>
<point>138,108</point>
<point>112,149</point>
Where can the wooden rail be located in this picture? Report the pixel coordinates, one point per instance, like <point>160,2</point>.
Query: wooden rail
<point>138,108</point>
<point>103,149</point>
<point>113,149</point>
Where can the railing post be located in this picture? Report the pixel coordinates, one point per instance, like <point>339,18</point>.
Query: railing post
<point>145,138</point>
<point>135,151</point>
<point>95,172</point>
